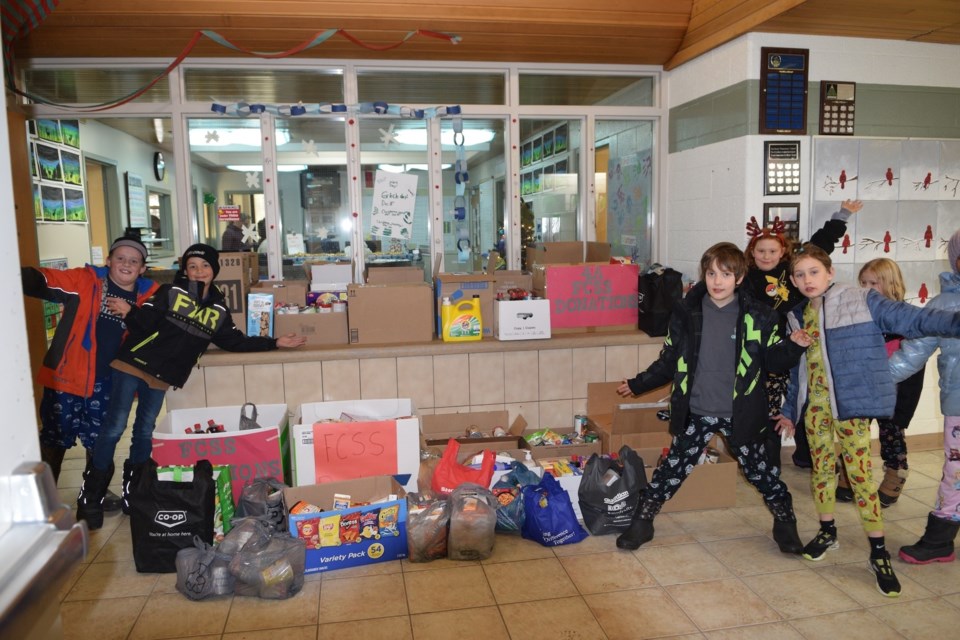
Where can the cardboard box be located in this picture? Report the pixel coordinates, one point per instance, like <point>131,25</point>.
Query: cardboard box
<point>463,286</point>
<point>709,486</point>
<point>331,272</point>
<point>390,313</point>
<point>383,439</point>
<point>238,270</point>
<point>436,431</point>
<point>544,451</point>
<point>239,321</point>
<point>589,295</point>
<point>394,275</point>
<point>521,319</point>
<point>260,314</point>
<point>285,292</point>
<point>503,281</point>
<point>567,253</point>
<point>627,421</point>
<point>254,453</point>
<point>318,328</point>
<point>379,547</point>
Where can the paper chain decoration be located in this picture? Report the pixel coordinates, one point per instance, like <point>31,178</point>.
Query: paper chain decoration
<point>754,230</point>
<point>300,109</point>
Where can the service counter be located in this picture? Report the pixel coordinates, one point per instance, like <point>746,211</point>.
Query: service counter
<point>544,380</point>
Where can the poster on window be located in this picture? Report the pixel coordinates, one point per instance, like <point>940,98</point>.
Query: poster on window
<point>394,199</point>
<point>137,202</point>
<point>629,185</point>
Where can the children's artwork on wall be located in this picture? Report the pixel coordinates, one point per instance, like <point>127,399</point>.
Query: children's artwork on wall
<point>37,205</point>
<point>51,202</point>
<point>33,160</point>
<point>629,185</point>
<point>49,130</point>
<point>880,169</point>
<point>56,166</point>
<point>49,160</point>
<point>70,163</point>
<point>560,139</point>
<point>835,169</point>
<point>526,154</point>
<point>547,144</point>
<point>538,150</point>
<point>70,132</point>
<point>920,170</point>
<point>74,205</point>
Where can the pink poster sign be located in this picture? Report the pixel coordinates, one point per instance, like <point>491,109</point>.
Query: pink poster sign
<point>250,454</point>
<point>348,450</point>
<point>592,295</point>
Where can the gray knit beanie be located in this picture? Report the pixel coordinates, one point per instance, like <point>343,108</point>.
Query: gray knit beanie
<point>953,251</point>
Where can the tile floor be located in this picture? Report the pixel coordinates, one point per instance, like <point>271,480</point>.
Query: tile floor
<point>707,574</point>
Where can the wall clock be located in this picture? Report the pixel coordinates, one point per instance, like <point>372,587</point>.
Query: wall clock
<point>159,166</point>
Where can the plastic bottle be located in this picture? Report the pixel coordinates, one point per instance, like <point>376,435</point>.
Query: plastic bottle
<point>663,455</point>
<point>461,322</point>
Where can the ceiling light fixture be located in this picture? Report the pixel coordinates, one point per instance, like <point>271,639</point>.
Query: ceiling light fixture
<point>283,168</point>
<point>158,129</point>
<point>233,137</point>
<point>402,168</point>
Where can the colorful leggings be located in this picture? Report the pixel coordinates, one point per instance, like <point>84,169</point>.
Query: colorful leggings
<point>948,496</point>
<point>854,436</point>
<point>893,446</point>
<point>685,450</point>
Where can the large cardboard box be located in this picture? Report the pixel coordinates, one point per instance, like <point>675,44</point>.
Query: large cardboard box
<point>318,328</point>
<point>567,253</point>
<point>463,286</point>
<point>589,294</point>
<point>521,319</point>
<point>381,438</point>
<point>330,272</point>
<point>436,431</point>
<point>627,421</point>
<point>709,486</point>
<point>544,451</point>
<point>286,292</point>
<point>505,280</point>
<point>384,545</point>
<point>238,270</point>
<point>390,313</point>
<point>394,275</point>
<point>253,453</point>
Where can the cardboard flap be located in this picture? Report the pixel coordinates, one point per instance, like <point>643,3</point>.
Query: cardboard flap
<point>455,425</point>
<point>359,490</point>
<point>626,415</point>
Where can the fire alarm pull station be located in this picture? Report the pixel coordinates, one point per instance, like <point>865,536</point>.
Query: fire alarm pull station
<point>781,168</point>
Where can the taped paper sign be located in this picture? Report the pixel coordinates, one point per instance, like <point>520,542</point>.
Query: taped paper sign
<point>348,450</point>
<point>394,199</point>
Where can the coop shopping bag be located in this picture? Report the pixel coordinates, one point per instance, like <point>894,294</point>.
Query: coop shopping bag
<point>610,491</point>
<point>450,474</point>
<point>548,514</point>
<point>657,291</point>
<point>165,515</point>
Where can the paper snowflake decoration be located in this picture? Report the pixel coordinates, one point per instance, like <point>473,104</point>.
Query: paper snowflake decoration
<point>310,147</point>
<point>323,232</point>
<point>250,234</point>
<point>387,136</point>
<point>212,136</point>
<point>253,180</point>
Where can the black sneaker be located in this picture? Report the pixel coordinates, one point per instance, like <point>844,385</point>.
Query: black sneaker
<point>887,582</point>
<point>844,494</point>
<point>818,547</point>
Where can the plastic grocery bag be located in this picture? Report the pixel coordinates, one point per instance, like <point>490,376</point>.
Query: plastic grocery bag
<point>450,474</point>
<point>202,572</point>
<point>610,491</point>
<point>473,518</point>
<point>428,521</point>
<point>509,500</point>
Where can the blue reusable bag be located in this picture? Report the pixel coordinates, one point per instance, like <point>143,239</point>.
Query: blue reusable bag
<point>548,514</point>
<point>509,499</point>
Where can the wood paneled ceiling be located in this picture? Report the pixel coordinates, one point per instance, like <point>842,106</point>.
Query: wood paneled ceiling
<point>643,32</point>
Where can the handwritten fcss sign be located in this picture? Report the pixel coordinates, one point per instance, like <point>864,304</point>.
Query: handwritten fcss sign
<point>348,450</point>
<point>592,295</point>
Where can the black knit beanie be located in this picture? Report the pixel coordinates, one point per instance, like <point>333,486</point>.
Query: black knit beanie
<point>204,251</point>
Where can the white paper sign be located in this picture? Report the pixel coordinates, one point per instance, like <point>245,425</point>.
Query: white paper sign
<point>295,243</point>
<point>394,198</point>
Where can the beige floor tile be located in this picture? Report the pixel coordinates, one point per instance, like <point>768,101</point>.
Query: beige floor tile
<point>481,622</point>
<point>590,544</point>
<point>921,619</point>
<point>166,583</point>
<point>681,563</point>
<point>112,580</point>
<point>716,524</point>
<point>442,563</point>
<point>611,571</point>
<point>252,614</point>
<point>853,546</point>
<point>509,547</point>
<point>284,632</point>
<point>375,569</point>
<point>776,631</point>
<point>395,628</point>
<point>795,594</point>
<point>866,625</point>
<point>551,619</point>
<point>941,578</point>
<point>362,598</point>
<point>110,619</point>
<point>118,547</point>
<point>449,589</point>
<point>858,582</point>
<point>750,556</point>
<point>721,604</point>
<point>171,615</point>
<point>529,580</point>
<point>70,580</point>
<point>909,507</point>
<point>638,613</point>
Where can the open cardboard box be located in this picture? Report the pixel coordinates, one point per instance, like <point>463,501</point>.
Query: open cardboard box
<point>436,430</point>
<point>627,421</point>
<point>379,547</point>
<point>543,451</point>
<point>709,486</point>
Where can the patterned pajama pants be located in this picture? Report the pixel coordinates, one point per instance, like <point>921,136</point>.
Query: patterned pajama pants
<point>948,496</point>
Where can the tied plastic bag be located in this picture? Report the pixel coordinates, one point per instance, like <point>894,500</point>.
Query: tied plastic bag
<point>202,572</point>
<point>509,500</point>
<point>428,518</point>
<point>273,570</point>
<point>249,422</point>
<point>473,519</point>
<point>450,474</point>
<point>263,498</point>
<point>610,491</point>
<point>657,291</point>
<point>548,514</point>
<point>429,459</point>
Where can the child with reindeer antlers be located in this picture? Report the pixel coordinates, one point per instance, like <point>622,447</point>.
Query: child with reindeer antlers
<point>768,258</point>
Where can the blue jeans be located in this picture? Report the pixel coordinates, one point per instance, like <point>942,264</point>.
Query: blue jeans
<point>149,402</point>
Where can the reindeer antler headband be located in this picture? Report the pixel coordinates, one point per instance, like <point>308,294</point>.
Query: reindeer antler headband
<point>776,228</point>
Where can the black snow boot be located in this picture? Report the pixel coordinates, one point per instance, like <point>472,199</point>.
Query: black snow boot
<point>111,501</point>
<point>936,545</point>
<point>785,525</point>
<point>640,530</point>
<point>53,456</point>
<point>90,500</point>
<point>131,475</point>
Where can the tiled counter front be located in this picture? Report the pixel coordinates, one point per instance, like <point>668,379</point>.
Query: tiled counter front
<point>544,380</point>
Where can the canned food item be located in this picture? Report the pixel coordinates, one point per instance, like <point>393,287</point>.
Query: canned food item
<point>580,424</point>
<point>499,432</point>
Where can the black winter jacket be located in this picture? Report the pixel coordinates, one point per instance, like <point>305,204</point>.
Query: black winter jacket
<point>172,329</point>
<point>760,349</point>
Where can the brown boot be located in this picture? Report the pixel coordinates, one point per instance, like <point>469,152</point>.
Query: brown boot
<point>844,492</point>
<point>892,485</point>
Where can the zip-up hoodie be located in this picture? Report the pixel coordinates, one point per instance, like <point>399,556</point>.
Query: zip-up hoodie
<point>70,364</point>
<point>171,330</point>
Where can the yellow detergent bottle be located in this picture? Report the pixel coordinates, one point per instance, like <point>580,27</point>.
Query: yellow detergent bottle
<point>461,321</point>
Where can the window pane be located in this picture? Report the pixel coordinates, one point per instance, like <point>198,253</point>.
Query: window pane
<point>543,89</point>
<point>624,165</point>
<point>94,86</point>
<point>431,88</point>
<point>549,180</point>
<point>266,86</point>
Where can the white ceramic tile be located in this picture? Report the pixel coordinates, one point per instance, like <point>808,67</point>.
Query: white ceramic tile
<point>341,380</point>
<point>556,374</point>
<point>378,378</point>
<point>521,378</point>
<point>451,380</point>
<point>486,378</point>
